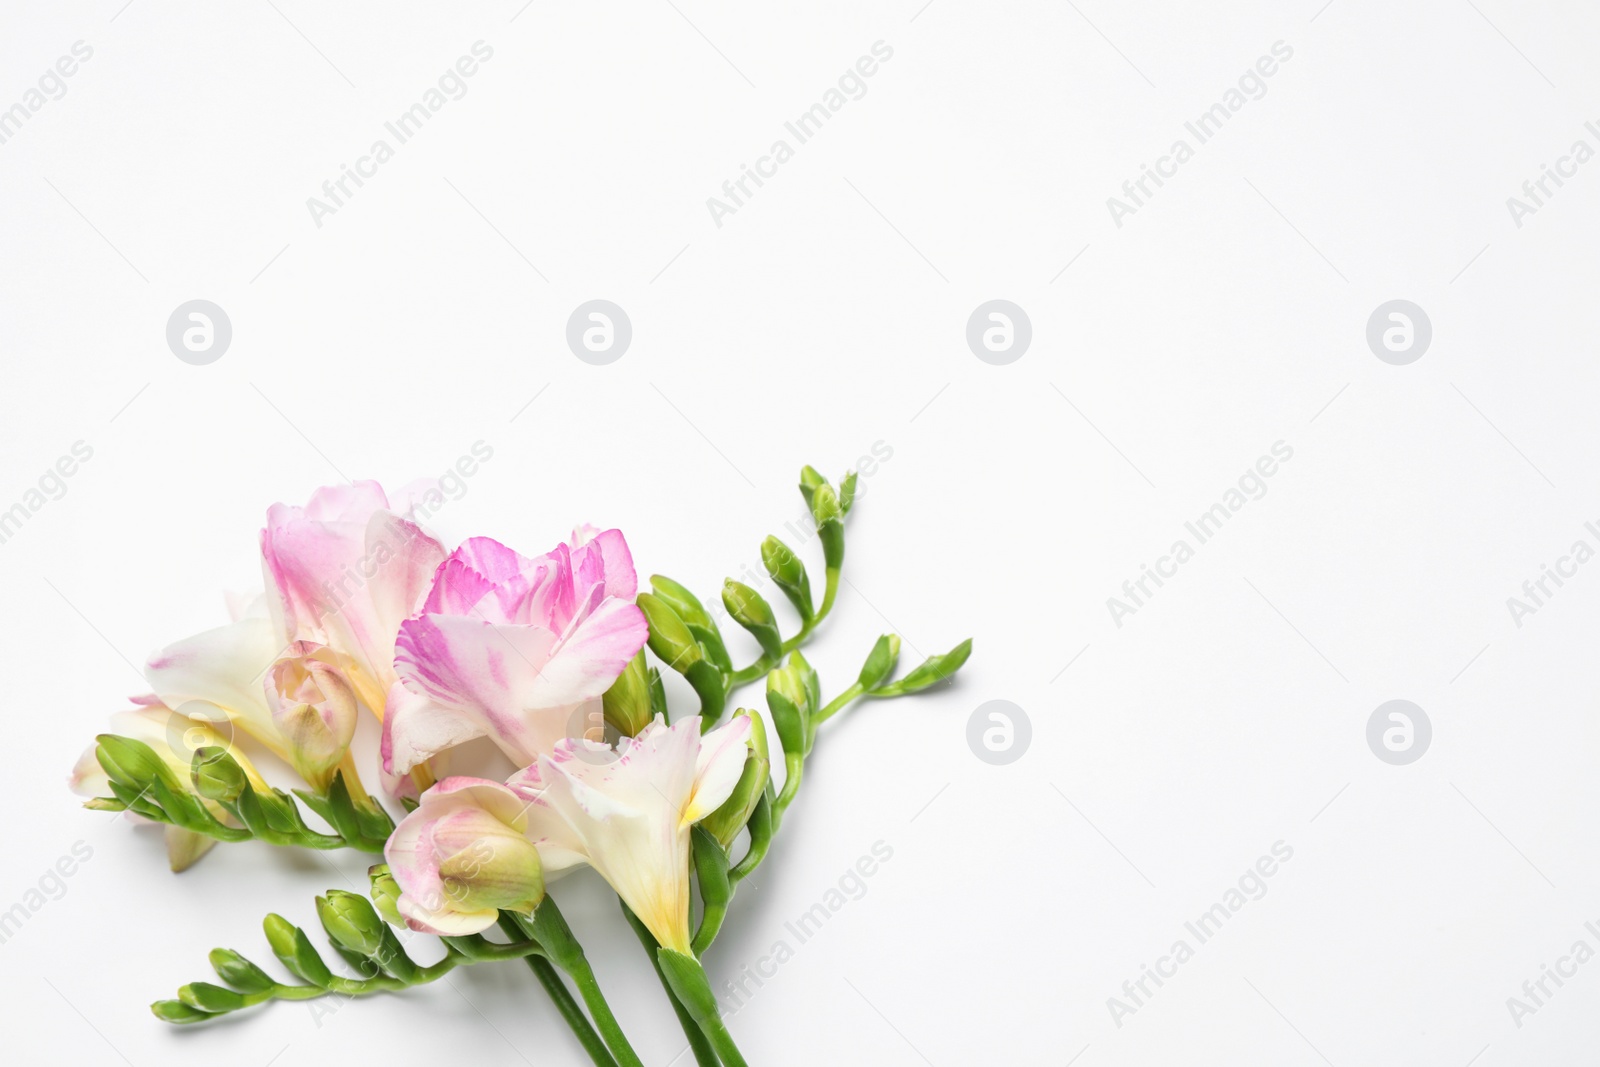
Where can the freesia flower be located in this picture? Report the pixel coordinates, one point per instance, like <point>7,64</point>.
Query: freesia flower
<point>512,648</point>
<point>342,573</point>
<point>314,709</point>
<point>173,738</point>
<point>345,571</point>
<point>462,856</point>
<point>628,812</point>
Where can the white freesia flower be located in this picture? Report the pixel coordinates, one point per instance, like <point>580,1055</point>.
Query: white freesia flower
<point>627,813</point>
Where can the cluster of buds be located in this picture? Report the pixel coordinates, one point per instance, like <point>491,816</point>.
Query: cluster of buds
<point>685,636</point>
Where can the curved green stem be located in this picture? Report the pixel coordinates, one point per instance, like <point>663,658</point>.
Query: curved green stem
<point>704,1054</point>
<point>562,998</point>
<point>764,663</point>
<point>688,979</point>
<point>547,926</point>
<point>761,827</point>
<point>571,1012</point>
<point>355,987</point>
<point>589,989</point>
<point>723,1042</point>
<point>836,705</point>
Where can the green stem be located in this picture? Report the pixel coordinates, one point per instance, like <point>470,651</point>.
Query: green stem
<point>547,926</point>
<point>836,705</point>
<point>571,1012</point>
<point>722,1041</point>
<point>589,989</point>
<point>561,997</point>
<point>759,842</point>
<point>704,1054</point>
<point>355,987</point>
<point>764,663</point>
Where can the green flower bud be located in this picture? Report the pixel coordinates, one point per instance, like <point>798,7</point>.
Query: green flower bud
<point>807,675</point>
<point>203,996</point>
<point>758,733</point>
<point>627,702</point>
<point>216,774</point>
<point>825,506</point>
<point>830,525</point>
<point>790,705</point>
<point>788,682</point>
<point>132,763</point>
<point>658,695</point>
<point>789,574</point>
<point>931,671</point>
<point>239,972</point>
<point>294,950</point>
<point>880,662</point>
<point>385,894</point>
<point>847,492</point>
<point>809,482</point>
<point>176,1011</point>
<point>685,603</point>
<point>748,607</point>
<point>751,610</point>
<point>670,639</point>
<point>351,921</point>
<point>725,823</point>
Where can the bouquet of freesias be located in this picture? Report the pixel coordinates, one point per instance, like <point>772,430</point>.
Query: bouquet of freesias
<point>545,657</point>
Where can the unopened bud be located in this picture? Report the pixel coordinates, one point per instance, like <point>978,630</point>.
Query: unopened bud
<point>751,610</point>
<point>315,709</point>
<point>880,662</point>
<point>810,480</point>
<point>627,702</point>
<point>385,894</point>
<point>216,774</point>
<point>788,573</point>
<point>239,972</point>
<point>351,921</point>
<point>130,763</point>
<point>685,603</point>
<point>203,996</point>
<point>670,639</point>
<point>725,823</point>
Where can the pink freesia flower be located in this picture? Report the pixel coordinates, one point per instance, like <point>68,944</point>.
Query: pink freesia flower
<point>314,708</point>
<point>345,571</point>
<point>342,573</point>
<point>512,648</point>
<point>462,856</point>
<point>628,812</point>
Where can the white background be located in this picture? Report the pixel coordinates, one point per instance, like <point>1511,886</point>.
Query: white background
<point>827,315</point>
